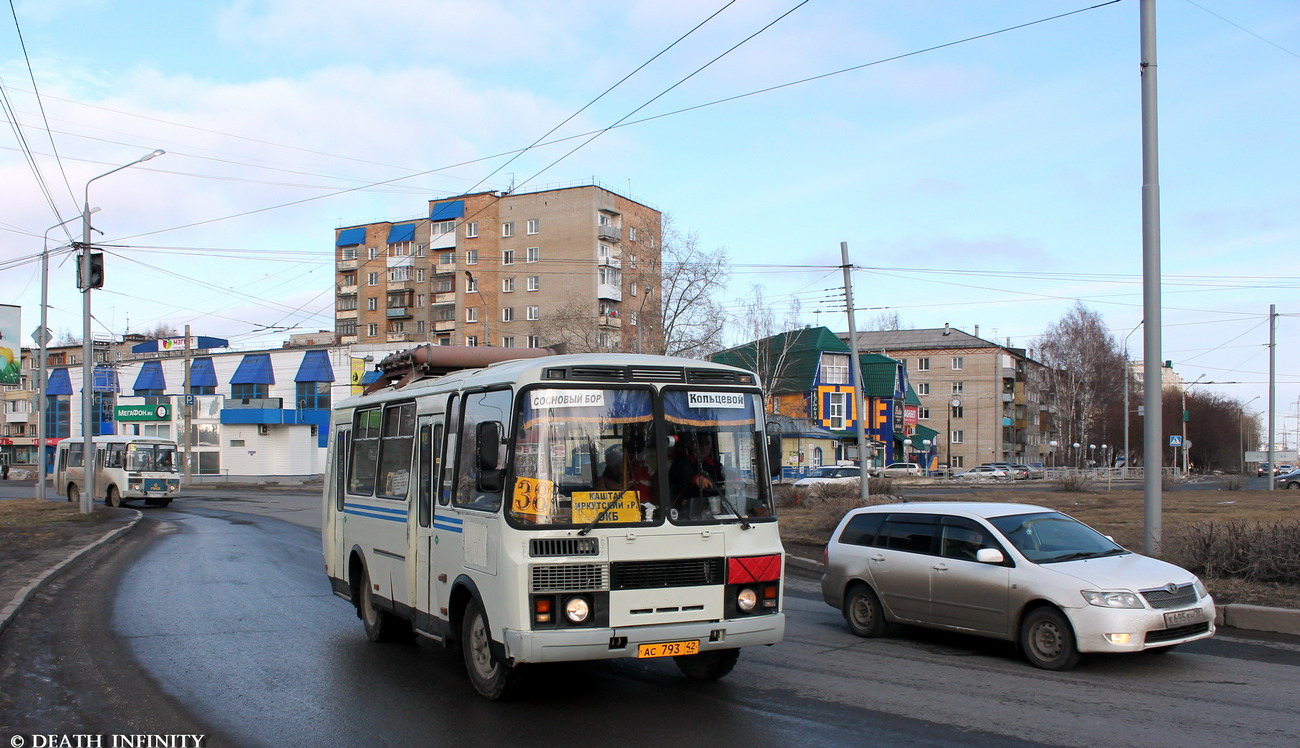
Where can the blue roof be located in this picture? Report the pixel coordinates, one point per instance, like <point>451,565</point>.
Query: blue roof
<point>254,369</point>
<point>448,211</point>
<point>348,237</point>
<point>370,376</point>
<point>202,374</point>
<point>150,377</point>
<point>59,383</point>
<point>315,367</point>
<point>403,232</point>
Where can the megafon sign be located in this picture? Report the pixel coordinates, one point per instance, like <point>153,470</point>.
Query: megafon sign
<point>142,413</point>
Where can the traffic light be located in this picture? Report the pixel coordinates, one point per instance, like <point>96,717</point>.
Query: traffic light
<point>96,271</point>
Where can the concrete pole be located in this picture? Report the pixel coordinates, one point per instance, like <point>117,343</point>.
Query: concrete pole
<point>189,416</point>
<point>87,366</point>
<point>1152,450</point>
<point>859,387</point>
<point>1272,389</point>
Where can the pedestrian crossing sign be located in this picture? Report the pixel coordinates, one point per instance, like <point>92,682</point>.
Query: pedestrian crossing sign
<point>1175,441</point>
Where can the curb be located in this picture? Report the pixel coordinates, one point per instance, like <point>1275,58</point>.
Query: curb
<point>11,609</point>
<point>1233,616</point>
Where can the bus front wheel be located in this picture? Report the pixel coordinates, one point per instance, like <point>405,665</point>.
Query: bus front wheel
<point>112,497</point>
<point>492,678</point>
<point>707,665</point>
<point>73,494</point>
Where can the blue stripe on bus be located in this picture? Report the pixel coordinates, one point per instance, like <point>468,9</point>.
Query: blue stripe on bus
<point>450,524</point>
<point>359,510</point>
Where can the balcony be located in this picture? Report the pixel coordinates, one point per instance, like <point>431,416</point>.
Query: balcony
<point>448,325</point>
<point>609,261</point>
<point>399,337</point>
<point>609,233</point>
<point>398,312</point>
<point>351,264</point>
<point>445,298</point>
<point>609,320</point>
<point>609,291</point>
<point>345,314</point>
<point>348,290</point>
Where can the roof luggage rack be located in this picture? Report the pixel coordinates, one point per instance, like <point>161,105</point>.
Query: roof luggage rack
<point>400,369</point>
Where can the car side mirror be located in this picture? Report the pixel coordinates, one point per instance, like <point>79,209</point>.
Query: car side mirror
<point>989,556</point>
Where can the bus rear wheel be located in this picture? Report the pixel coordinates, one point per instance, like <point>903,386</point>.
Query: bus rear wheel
<point>492,678</point>
<point>73,494</point>
<point>112,497</point>
<point>707,665</point>
<point>381,626</point>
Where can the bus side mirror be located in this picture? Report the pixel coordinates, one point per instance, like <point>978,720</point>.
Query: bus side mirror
<point>488,448</point>
<point>774,455</point>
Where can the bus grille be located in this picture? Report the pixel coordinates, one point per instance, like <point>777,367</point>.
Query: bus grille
<point>655,374</point>
<point>1162,599</point>
<point>568,577</point>
<point>549,547</point>
<point>645,575</point>
<point>714,376</point>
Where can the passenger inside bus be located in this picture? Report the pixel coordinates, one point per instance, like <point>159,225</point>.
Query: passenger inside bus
<point>695,475</point>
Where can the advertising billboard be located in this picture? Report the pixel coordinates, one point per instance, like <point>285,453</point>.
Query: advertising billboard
<point>11,348</point>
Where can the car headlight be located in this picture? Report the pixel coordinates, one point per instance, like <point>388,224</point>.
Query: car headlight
<point>1106,599</point>
<point>1201,591</point>
<point>746,599</point>
<point>576,609</point>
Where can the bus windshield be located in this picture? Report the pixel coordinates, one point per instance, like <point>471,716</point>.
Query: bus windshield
<point>584,456</point>
<point>153,458</point>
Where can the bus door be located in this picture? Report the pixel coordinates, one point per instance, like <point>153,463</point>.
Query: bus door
<point>335,520</point>
<point>470,531</point>
<point>428,456</point>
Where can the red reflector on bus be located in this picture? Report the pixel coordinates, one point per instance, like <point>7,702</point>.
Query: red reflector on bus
<point>753,569</point>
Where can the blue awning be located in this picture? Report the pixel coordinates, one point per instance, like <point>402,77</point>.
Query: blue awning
<point>254,369</point>
<point>59,383</point>
<point>403,232</point>
<point>348,237</point>
<point>150,377</point>
<point>448,211</point>
<point>315,367</point>
<point>202,374</point>
<point>370,376</point>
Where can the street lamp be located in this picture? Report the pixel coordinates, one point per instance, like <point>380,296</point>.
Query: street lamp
<point>1053,444</point>
<point>1104,458</point>
<point>87,350</point>
<point>43,336</point>
<point>1241,436</point>
<point>1127,383</point>
<point>1076,455</point>
<point>478,288</point>
<point>955,404</point>
<point>1183,415</point>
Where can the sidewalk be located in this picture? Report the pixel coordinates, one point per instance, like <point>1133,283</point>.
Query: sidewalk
<point>1235,616</point>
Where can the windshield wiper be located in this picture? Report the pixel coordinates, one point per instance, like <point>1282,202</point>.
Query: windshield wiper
<point>1078,555</point>
<point>744,524</point>
<point>603,511</point>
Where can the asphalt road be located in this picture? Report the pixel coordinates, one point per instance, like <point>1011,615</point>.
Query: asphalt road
<point>222,620</point>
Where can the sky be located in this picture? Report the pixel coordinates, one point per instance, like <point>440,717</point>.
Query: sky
<point>981,159</point>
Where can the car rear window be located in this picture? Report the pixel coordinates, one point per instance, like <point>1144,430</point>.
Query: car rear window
<point>908,532</point>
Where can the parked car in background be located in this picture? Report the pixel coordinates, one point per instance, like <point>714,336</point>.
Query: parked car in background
<point>983,472</point>
<point>1016,472</point>
<point>1279,469</point>
<point>1017,572</point>
<point>846,475</point>
<point>1036,470</point>
<point>1289,480</point>
<point>897,469</point>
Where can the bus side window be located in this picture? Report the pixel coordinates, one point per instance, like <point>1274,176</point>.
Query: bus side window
<point>448,453</point>
<point>363,462</point>
<point>480,408</point>
<point>395,451</point>
<point>340,466</point>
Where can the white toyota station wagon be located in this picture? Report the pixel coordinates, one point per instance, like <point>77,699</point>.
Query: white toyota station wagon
<point>1023,573</point>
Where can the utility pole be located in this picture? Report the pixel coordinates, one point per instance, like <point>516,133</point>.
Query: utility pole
<point>860,390</point>
<point>1152,450</point>
<point>1272,388</point>
<point>187,402</point>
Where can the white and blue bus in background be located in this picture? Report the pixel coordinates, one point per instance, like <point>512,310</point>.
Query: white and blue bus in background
<point>126,468</point>
<point>557,508</point>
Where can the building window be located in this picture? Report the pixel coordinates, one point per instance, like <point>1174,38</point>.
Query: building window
<point>471,284</point>
<point>508,257</point>
<point>958,461</point>
<point>249,391</point>
<point>313,395</point>
<point>533,254</point>
<point>958,387</point>
<point>958,437</point>
<point>471,230</point>
<point>834,368</point>
<point>372,330</point>
<point>372,279</point>
<point>603,251</point>
<point>923,413</point>
<point>922,388</point>
<point>958,363</point>
<point>419,326</point>
<point>631,233</point>
<point>419,275</point>
<point>634,289</point>
<point>399,274</point>
<point>349,253</point>
<point>349,279</point>
<point>632,319</point>
<point>534,282</point>
<point>835,410</point>
<point>58,416</point>
<point>507,285</point>
<point>347,327</point>
<point>507,229</point>
<point>471,340</point>
<point>443,227</point>
<point>471,314</point>
<point>372,252</point>
<point>399,300</point>
<point>419,301</point>
<point>923,364</point>
<point>446,258</point>
<point>534,225</point>
<point>471,257</point>
<point>372,303</point>
<point>958,411</point>
<point>507,341</point>
<point>534,341</point>
<point>394,326</point>
<point>534,313</point>
<point>445,285</point>
<point>347,303</point>
<point>508,314</point>
<point>419,250</point>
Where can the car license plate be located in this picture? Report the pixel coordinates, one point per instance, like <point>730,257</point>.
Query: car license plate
<point>1183,617</point>
<point>668,649</point>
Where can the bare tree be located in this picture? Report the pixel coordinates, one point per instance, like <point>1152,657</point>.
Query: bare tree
<point>162,331</point>
<point>884,320</point>
<point>690,317</point>
<point>766,344</point>
<point>66,337</point>
<point>577,325</point>
<point>1084,368</point>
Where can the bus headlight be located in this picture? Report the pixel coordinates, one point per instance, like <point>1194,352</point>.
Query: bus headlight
<point>577,609</point>
<point>746,599</point>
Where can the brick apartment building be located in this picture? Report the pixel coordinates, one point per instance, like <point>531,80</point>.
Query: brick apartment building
<point>576,264</point>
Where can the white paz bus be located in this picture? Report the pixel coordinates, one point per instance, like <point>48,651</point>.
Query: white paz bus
<point>557,508</point>
<point>126,467</point>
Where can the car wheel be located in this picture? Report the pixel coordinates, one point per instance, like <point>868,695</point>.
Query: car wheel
<point>73,494</point>
<point>492,678</point>
<point>863,611</point>
<point>1293,484</point>
<point>381,626</point>
<point>1048,640</point>
<point>112,497</point>
<point>707,665</point>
